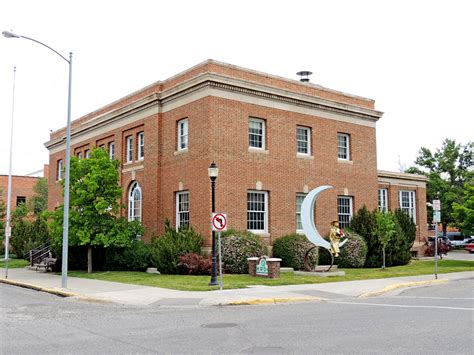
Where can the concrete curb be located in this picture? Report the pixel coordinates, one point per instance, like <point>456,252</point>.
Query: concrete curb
<point>60,293</point>
<point>272,300</point>
<point>400,285</point>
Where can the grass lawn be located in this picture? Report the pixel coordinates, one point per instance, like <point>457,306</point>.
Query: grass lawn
<point>200,283</point>
<point>14,263</point>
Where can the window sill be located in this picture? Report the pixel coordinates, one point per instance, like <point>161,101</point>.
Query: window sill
<point>260,233</point>
<point>345,161</point>
<point>304,156</point>
<point>258,150</point>
<point>181,151</point>
<point>300,232</point>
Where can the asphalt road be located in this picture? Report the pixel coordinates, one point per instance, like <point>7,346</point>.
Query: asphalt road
<point>435,320</point>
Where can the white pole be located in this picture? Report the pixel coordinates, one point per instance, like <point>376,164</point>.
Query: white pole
<point>9,194</point>
<point>220,258</point>
<point>436,250</point>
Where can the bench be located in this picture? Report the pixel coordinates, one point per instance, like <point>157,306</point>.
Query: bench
<point>46,264</point>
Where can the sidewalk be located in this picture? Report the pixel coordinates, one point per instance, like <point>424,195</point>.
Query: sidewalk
<point>95,290</point>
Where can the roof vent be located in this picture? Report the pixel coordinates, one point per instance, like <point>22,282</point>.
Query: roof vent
<point>304,75</point>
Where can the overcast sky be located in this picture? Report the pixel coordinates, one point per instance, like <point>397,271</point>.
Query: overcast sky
<point>414,58</point>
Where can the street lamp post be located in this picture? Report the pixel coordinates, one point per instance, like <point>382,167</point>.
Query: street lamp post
<point>213,171</point>
<point>8,228</point>
<point>9,34</point>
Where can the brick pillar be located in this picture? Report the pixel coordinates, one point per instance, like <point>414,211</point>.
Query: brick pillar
<point>252,265</point>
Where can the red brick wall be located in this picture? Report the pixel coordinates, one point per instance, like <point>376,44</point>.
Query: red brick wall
<point>420,206</point>
<point>21,186</point>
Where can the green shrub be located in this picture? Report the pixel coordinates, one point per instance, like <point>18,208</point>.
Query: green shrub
<point>134,258</point>
<point>27,234</point>
<point>353,252</point>
<point>166,249</point>
<point>292,249</point>
<point>364,223</point>
<point>237,247</point>
<point>402,242</point>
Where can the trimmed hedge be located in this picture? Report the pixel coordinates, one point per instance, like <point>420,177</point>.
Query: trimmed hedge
<point>237,247</point>
<point>353,252</point>
<point>137,257</point>
<point>292,249</point>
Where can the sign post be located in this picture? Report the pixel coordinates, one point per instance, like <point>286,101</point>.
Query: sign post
<point>219,223</point>
<point>436,220</point>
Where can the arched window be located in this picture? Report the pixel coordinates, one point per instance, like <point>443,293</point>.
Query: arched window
<point>135,202</point>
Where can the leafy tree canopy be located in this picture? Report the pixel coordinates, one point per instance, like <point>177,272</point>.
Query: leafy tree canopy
<point>39,201</point>
<point>94,195</point>
<point>448,170</point>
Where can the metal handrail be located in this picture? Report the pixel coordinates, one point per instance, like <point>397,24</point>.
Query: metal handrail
<point>38,254</point>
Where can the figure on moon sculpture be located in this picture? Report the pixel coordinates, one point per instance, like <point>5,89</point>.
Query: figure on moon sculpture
<point>335,236</point>
<point>307,220</point>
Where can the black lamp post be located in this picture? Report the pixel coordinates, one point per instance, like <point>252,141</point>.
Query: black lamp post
<point>213,171</point>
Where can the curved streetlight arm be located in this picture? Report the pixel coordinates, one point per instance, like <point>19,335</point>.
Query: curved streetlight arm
<point>55,51</point>
<point>9,34</point>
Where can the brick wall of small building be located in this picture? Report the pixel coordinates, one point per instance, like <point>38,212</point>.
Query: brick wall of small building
<point>21,186</point>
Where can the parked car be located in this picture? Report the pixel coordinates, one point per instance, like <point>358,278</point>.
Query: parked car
<point>461,243</point>
<point>470,247</point>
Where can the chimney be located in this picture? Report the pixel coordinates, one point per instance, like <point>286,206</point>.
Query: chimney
<point>304,75</point>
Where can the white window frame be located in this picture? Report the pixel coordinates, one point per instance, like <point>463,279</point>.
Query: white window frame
<point>141,145</point>
<point>79,155</point>
<point>262,135</point>
<point>344,217</point>
<point>408,204</point>
<point>112,150</point>
<point>182,199</point>
<point>346,147</point>
<point>129,151</point>
<point>87,153</point>
<point>383,200</point>
<point>307,141</point>
<point>132,202</point>
<point>265,212</point>
<point>59,172</point>
<point>299,196</point>
<point>183,134</point>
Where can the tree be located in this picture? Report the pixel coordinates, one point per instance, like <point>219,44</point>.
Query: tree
<point>39,201</point>
<point>94,206</point>
<point>464,213</point>
<point>385,230</point>
<point>448,170</point>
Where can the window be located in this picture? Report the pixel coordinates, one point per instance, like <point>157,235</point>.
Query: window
<point>111,150</point>
<point>79,155</point>
<point>407,203</point>
<point>303,140</point>
<point>182,209</point>
<point>20,200</point>
<point>129,153</point>
<point>141,145</point>
<point>182,134</point>
<point>257,133</point>
<point>343,143</point>
<point>257,211</point>
<point>299,202</point>
<point>87,153</point>
<point>344,211</point>
<point>383,201</point>
<point>135,202</point>
<point>59,172</point>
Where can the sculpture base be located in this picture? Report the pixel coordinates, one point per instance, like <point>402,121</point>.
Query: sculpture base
<point>321,273</point>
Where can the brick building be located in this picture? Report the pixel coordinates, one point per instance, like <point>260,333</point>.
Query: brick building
<point>22,187</point>
<point>273,139</point>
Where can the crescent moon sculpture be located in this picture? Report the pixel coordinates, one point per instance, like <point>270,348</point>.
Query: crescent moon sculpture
<point>307,218</point>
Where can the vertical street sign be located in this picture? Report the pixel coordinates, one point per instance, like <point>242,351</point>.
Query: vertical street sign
<point>436,205</point>
<point>219,223</point>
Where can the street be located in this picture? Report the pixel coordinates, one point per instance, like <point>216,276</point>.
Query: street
<point>435,319</point>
